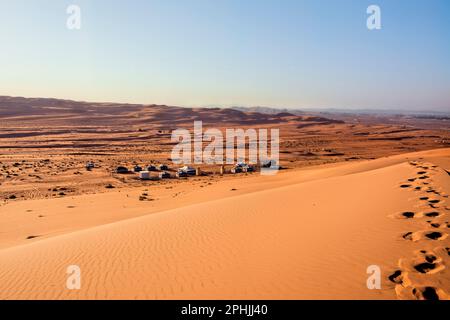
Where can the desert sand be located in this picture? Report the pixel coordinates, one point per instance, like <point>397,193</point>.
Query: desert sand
<point>306,233</point>
<point>358,190</point>
<point>45,143</point>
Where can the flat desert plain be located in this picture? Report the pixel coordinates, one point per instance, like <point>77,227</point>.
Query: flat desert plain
<point>357,193</point>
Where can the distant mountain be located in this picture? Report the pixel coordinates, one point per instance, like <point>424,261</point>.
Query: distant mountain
<point>269,110</point>
<point>377,111</point>
<point>337,111</point>
<point>58,112</point>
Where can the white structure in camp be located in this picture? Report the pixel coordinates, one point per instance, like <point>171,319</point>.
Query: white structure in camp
<point>144,175</point>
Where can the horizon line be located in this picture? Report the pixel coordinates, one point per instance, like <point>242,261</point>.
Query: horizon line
<point>234,106</point>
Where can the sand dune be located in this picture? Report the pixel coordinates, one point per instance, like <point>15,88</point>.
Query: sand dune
<point>311,238</point>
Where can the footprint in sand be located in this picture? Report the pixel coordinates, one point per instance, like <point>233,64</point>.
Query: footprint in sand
<point>436,235</point>
<point>434,225</point>
<point>429,293</point>
<point>433,206</point>
<point>424,264</point>
<point>433,191</point>
<point>408,214</point>
<point>411,236</point>
<point>415,215</point>
<point>427,235</point>
<point>428,263</point>
<point>432,214</point>
<point>400,277</point>
<point>434,203</point>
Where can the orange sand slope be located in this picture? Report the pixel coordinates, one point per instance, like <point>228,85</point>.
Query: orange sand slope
<point>308,240</point>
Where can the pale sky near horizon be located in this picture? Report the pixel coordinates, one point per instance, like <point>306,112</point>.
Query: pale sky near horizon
<point>277,53</point>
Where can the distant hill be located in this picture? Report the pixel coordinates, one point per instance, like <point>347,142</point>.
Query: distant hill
<point>58,112</point>
<point>269,110</point>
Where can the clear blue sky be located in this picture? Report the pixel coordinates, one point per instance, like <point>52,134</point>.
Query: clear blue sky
<point>286,53</point>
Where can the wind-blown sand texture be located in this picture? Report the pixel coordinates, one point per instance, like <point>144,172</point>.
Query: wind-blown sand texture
<point>303,234</point>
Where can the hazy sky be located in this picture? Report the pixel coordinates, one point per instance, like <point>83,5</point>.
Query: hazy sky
<point>286,53</point>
